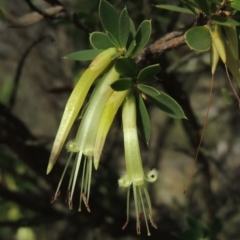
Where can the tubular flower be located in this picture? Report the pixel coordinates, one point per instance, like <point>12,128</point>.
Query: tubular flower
<point>135,175</point>
<point>109,112</point>
<point>84,143</point>
<point>76,100</point>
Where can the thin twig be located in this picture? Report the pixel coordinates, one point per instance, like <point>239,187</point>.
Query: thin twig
<point>20,68</point>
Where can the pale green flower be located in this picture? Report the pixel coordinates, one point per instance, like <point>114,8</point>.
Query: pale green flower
<point>84,143</point>
<point>76,100</point>
<point>109,112</point>
<point>135,176</point>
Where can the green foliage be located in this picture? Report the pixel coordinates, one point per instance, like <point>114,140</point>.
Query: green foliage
<point>124,28</point>
<point>84,55</point>
<point>126,67</point>
<point>122,84</point>
<point>142,36</point>
<point>148,73</point>
<point>143,121</point>
<point>217,19</point>
<point>100,40</point>
<point>168,105</point>
<point>235,4</point>
<point>109,18</point>
<point>175,8</point>
<point>198,38</point>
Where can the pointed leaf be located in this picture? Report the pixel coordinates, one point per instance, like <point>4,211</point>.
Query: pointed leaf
<point>142,36</point>
<point>122,84</point>
<point>124,28</point>
<point>191,5</point>
<point>236,5</point>
<point>203,6</point>
<point>233,64</point>
<point>113,40</point>
<point>132,33</point>
<point>174,8</point>
<point>168,105</point>
<point>109,18</point>
<point>99,40</point>
<point>224,21</point>
<point>232,38</point>
<point>126,67</point>
<point>198,38</point>
<point>143,121</point>
<point>148,72</point>
<point>116,55</point>
<point>150,91</point>
<point>84,55</point>
<point>130,48</point>
<point>132,27</point>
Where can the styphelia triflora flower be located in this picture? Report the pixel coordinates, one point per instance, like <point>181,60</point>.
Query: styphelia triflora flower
<point>84,143</point>
<point>135,175</point>
<point>109,112</point>
<point>76,99</point>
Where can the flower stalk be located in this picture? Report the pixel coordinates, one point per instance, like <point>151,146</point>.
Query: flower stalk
<point>135,175</point>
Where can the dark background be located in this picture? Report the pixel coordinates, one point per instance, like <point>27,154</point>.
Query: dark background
<point>35,83</point>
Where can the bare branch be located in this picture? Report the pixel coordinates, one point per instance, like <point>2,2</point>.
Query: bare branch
<point>32,18</point>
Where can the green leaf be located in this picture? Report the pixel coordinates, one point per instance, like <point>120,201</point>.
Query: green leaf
<point>109,18</point>
<point>132,27</point>
<point>122,84</point>
<point>191,5</point>
<point>113,40</point>
<point>174,8</point>
<point>198,38</point>
<point>142,36</point>
<point>224,21</point>
<point>148,72</point>
<point>236,5</point>
<point>124,28</point>
<point>132,33</point>
<point>130,48</point>
<point>232,39</point>
<point>168,105</point>
<point>100,40</point>
<point>84,55</point>
<point>202,6</point>
<point>232,64</point>
<point>126,67</point>
<point>116,55</point>
<point>150,91</point>
<point>143,121</point>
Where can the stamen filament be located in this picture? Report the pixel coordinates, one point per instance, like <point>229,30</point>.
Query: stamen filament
<point>128,197</point>
<point>61,179</point>
<point>138,228</point>
<point>78,159</point>
<point>143,208</point>
<point>81,190</point>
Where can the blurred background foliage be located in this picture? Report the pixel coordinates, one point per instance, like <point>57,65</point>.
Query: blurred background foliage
<point>35,83</point>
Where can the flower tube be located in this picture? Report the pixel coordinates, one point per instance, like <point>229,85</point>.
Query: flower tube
<point>76,100</point>
<point>109,112</point>
<point>135,175</point>
<point>84,142</point>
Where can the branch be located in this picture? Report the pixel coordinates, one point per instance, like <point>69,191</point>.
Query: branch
<point>32,18</point>
<point>20,68</point>
<point>167,43</point>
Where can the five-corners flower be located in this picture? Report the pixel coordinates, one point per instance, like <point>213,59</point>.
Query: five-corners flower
<point>76,99</point>
<point>84,143</point>
<point>135,175</point>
